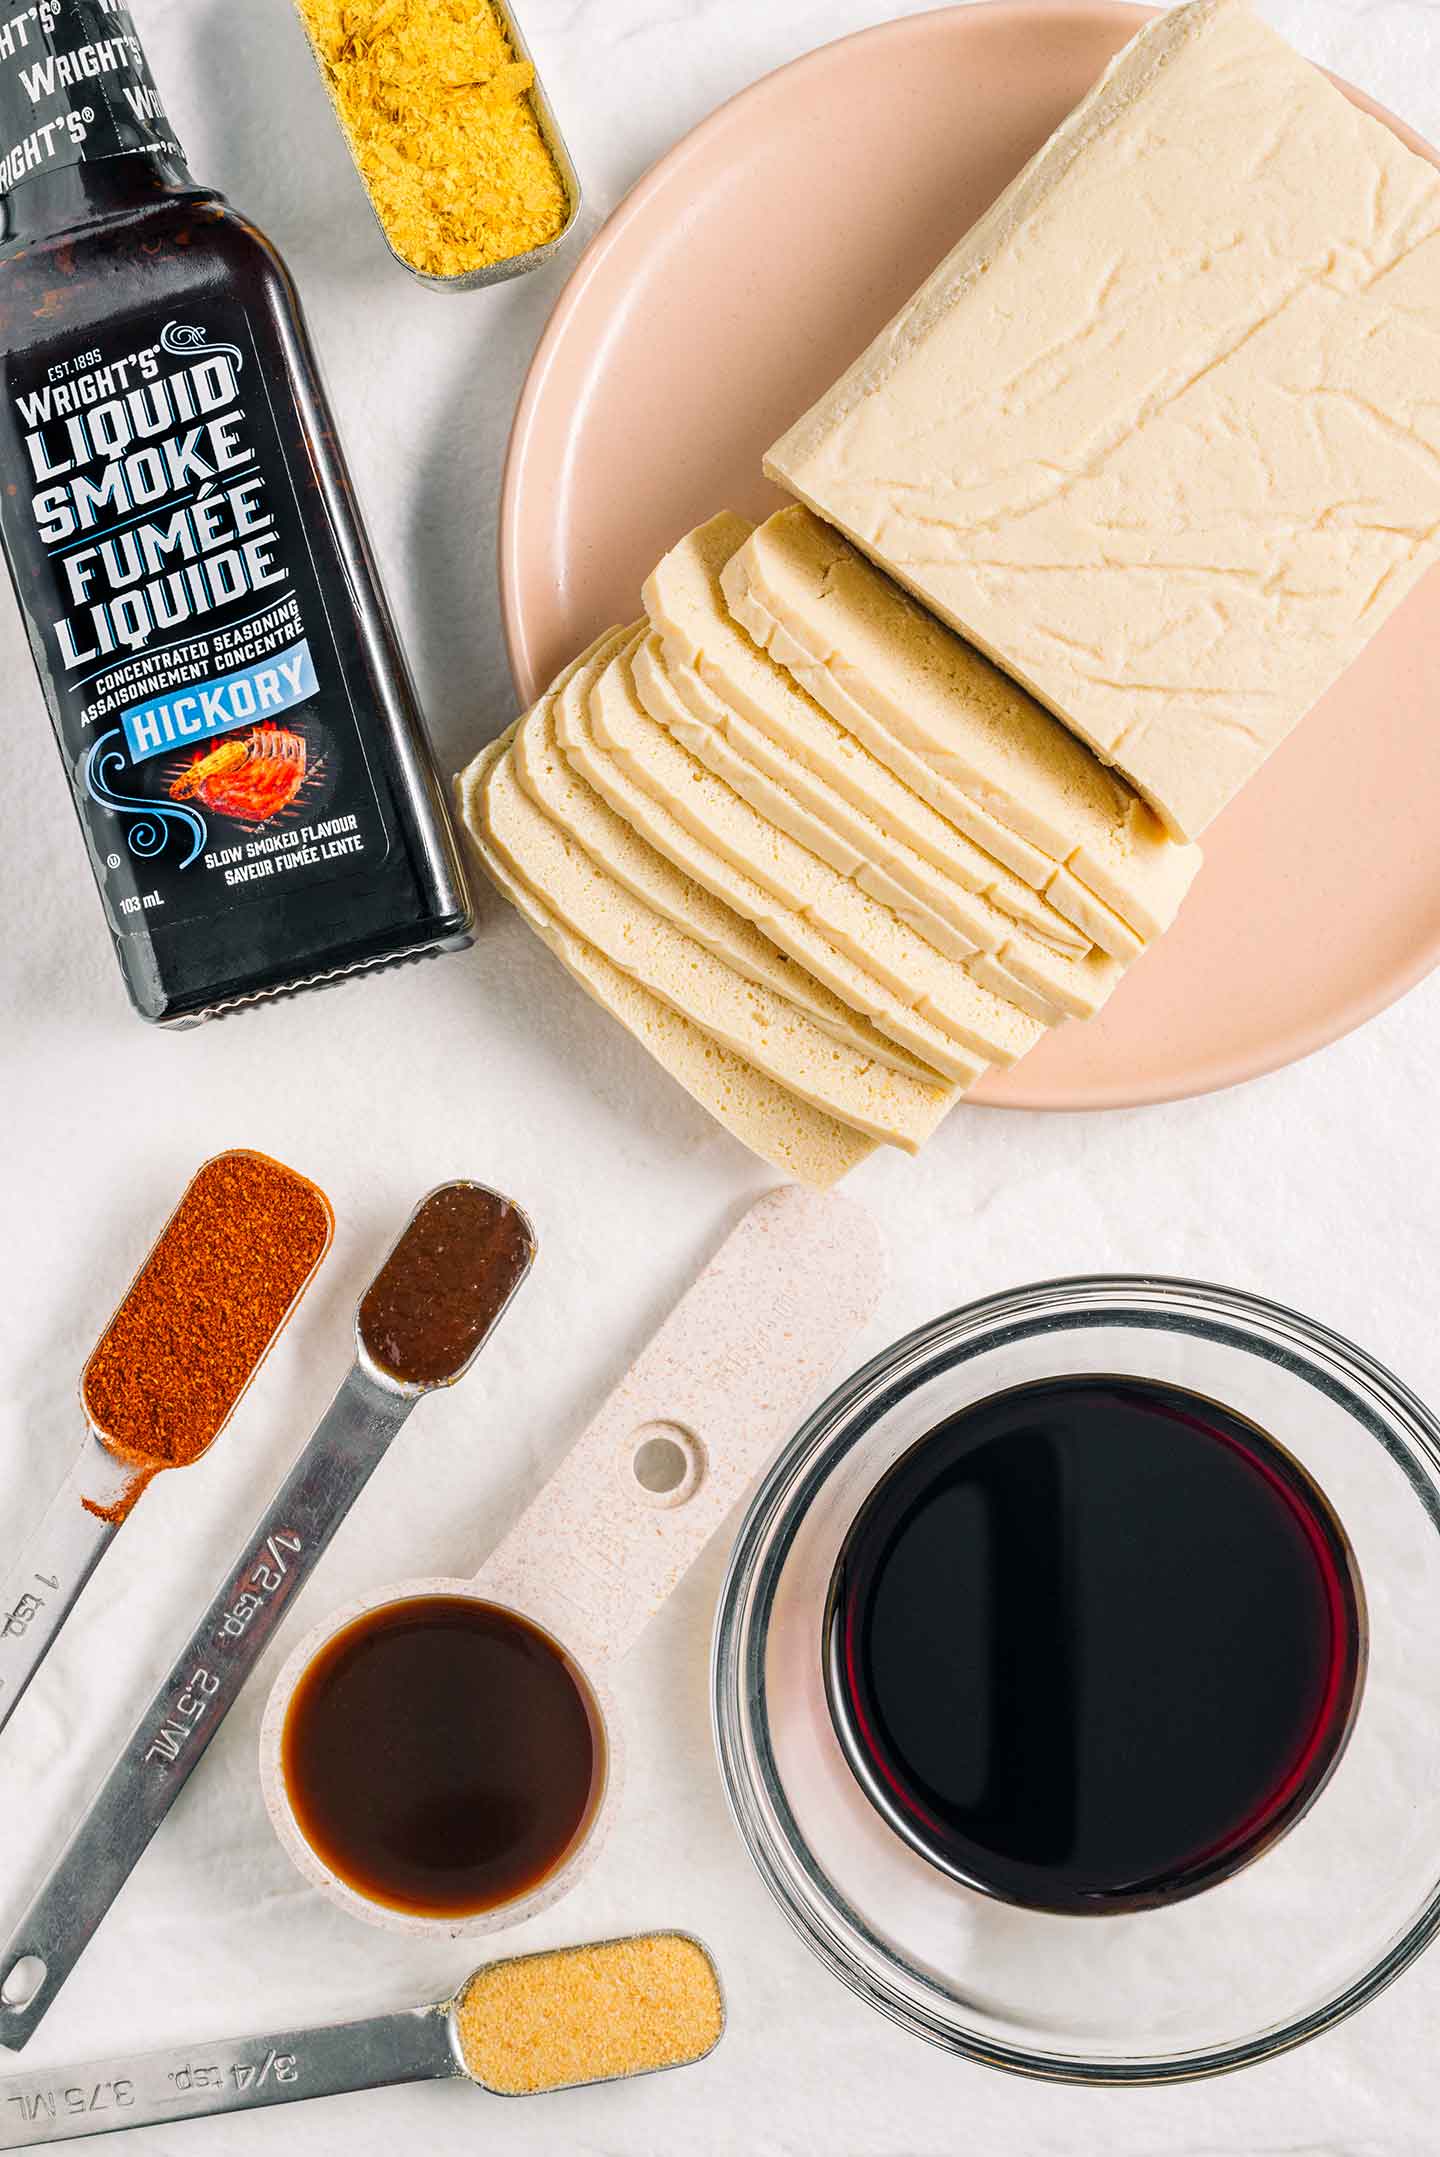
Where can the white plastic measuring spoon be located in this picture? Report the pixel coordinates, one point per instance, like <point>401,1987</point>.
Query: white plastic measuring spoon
<point>724,1381</point>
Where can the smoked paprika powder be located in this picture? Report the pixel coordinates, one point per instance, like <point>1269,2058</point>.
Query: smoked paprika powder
<point>197,1321</point>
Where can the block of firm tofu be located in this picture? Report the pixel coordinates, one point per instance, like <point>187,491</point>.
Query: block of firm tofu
<point>1161,434</point>
<point>868,649</point>
<point>793,1137</point>
<point>770,1033</point>
<point>1051,886</point>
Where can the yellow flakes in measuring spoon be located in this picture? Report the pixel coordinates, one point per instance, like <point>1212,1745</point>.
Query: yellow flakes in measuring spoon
<point>438,112</point>
<point>590,2014</point>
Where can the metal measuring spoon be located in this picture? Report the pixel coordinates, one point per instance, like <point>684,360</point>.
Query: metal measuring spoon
<point>419,1326</point>
<point>751,1344</point>
<point>453,2040</point>
<point>110,1475</point>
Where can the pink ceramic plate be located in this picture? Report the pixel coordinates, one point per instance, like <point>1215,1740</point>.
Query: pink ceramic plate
<point>729,289</point>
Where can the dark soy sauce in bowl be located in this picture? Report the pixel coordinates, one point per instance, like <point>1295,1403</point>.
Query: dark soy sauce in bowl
<point>1093,1644</point>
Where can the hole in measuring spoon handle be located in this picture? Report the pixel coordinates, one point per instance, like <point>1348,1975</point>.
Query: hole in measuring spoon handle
<point>23,1983</point>
<point>664,1463</point>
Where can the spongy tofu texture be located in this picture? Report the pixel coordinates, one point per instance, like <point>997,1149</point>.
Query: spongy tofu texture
<point>788,1133</point>
<point>626,790</point>
<point>551,781</point>
<point>772,1034</point>
<point>937,695</point>
<point>1161,435</point>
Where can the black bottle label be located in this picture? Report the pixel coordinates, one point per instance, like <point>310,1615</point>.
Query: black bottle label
<point>158,540</point>
<point>74,85</point>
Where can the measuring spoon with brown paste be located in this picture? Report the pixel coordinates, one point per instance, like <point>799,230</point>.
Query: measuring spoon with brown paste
<point>419,1326</point>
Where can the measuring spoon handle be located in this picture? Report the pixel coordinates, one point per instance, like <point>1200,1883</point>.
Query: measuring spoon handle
<point>44,1585</point>
<point>748,1348</point>
<point>236,2074</point>
<point>166,1745</point>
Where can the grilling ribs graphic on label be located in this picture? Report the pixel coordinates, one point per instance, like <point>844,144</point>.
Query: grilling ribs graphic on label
<point>253,778</point>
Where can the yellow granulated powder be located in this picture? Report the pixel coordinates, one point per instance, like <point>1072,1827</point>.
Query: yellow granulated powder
<point>589,2014</point>
<point>439,117</point>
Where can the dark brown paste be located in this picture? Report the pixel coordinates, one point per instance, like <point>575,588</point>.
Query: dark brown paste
<point>445,1283</point>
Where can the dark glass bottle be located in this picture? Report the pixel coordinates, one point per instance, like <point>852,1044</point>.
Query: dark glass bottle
<point>246,752</point>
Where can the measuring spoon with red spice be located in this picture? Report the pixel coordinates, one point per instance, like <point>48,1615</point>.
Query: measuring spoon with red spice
<point>419,1327</point>
<point>194,1327</point>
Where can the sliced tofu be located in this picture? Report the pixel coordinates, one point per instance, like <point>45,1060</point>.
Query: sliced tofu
<point>784,817</point>
<point>552,782</point>
<point>745,895</point>
<point>1161,433</point>
<point>794,1138</point>
<point>767,1031</point>
<point>869,645</point>
<point>1055,886</point>
<point>782,728</point>
<point>868,799</point>
<point>917,977</point>
<point>1050,985</point>
<point>675,695</point>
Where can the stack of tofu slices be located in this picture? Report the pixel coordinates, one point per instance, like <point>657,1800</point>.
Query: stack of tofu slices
<point>823,859</point>
<point>1160,437</point>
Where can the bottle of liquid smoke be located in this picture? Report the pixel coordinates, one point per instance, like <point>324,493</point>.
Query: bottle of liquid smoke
<point>242,737</point>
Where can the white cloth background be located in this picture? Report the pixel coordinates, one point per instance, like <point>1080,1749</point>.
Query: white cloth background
<point>1319,1186</point>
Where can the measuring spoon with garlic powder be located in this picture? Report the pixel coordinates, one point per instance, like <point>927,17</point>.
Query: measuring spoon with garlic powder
<point>419,1326</point>
<point>499,1683</point>
<point>159,1388</point>
<point>561,2020</point>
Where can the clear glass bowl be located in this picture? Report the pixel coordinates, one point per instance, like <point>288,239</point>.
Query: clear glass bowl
<point>1312,1929</point>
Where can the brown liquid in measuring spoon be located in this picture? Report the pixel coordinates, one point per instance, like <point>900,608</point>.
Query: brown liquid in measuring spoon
<point>443,1756</point>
